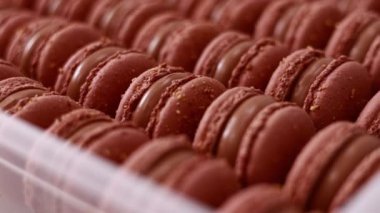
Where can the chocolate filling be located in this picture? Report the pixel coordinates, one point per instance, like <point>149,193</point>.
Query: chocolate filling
<point>230,60</point>
<point>150,99</point>
<point>32,45</point>
<point>307,78</point>
<point>166,165</point>
<point>83,70</point>
<point>363,43</point>
<point>229,142</point>
<point>283,24</point>
<point>11,100</point>
<point>339,169</point>
<point>160,37</point>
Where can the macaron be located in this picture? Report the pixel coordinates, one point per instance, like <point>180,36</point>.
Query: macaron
<point>168,100</point>
<point>362,175</point>
<point>8,70</point>
<point>326,163</point>
<point>99,9</point>
<point>241,15</point>
<point>299,24</point>
<point>152,35</point>
<point>10,22</point>
<point>40,48</point>
<point>185,43</point>
<point>349,6</point>
<point>208,10</point>
<point>15,89</point>
<point>369,118</point>
<point>252,132</point>
<point>372,63</point>
<point>328,89</point>
<point>98,74</point>
<point>260,199</point>
<point>354,35</point>
<point>236,60</point>
<point>172,163</point>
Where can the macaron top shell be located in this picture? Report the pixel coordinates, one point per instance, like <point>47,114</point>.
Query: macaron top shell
<point>260,199</point>
<point>325,164</point>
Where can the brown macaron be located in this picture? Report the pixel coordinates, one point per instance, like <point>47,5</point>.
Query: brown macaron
<point>328,89</point>
<point>167,100</point>
<point>236,60</point>
<point>354,35</point>
<point>325,164</point>
<point>40,48</point>
<point>8,70</point>
<point>369,118</point>
<point>171,162</point>
<point>252,132</point>
<point>259,199</point>
<point>299,24</point>
<point>98,74</point>
<point>184,45</point>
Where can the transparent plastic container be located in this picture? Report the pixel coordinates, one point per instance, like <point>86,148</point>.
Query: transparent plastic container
<point>43,173</point>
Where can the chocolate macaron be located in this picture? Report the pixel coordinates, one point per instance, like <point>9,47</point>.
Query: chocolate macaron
<point>350,6</point>
<point>8,70</point>
<point>299,24</point>
<point>167,100</point>
<point>185,43</point>
<point>40,48</point>
<point>171,162</point>
<point>252,132</point>
<point>98,74</point>
<point>354,35</point>
<point>325,164</point>
<point>328,89</point>
<point>369,118</point>
<point>372,63</point>
<point>259,199</point>
<point>10,22</point>
<point>236,60</point>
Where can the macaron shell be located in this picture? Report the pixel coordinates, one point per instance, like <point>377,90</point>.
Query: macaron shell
<point>17,84</point>
<point>65,42</point>
<point>216,116</point>
<point>317,24</point>
<point>214,51</point>
<point>346,89</point>
<point>271,145</point>
<point>99,9</point>
<point>137,19</point>
<point>43,110</point>
<point>372,63</point>
<point>308,168</point>
<point>7,70</point>
<point>148,31</point>
<point>211,182</point>
<point>242,15</point>
<point>176,114</point>
<point>194,39</point>
<point>364,173</point>
<point>369,118</point>
<point>256,67</point>
<point>261,199</point>
<point>106,83</point>
<point>348,31</point>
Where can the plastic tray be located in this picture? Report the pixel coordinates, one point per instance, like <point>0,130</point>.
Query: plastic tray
<point>31,162</point>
